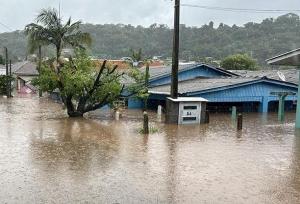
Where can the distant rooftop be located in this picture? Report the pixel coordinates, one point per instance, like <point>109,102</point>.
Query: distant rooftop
<point>25,68</point>
<point>291,58</point>
<point>291,75</point>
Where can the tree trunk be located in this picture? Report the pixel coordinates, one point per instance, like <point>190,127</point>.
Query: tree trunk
<point>70,108</point>
<point>74,114</point>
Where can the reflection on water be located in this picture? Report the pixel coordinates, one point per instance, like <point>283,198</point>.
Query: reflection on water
<point>46,157</point>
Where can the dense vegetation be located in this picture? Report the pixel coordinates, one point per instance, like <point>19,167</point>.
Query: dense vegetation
<point>238,61</point>
<point>259,40</point>
<point>81,87</point>
<point>4,81</point>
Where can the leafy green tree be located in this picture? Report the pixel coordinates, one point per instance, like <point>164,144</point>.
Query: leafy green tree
<point>141,82</point>
<point>4,81</point>
<point>239,61</point>
<point>136,55</point>
<point>81,87</point>
<point>50,30</point>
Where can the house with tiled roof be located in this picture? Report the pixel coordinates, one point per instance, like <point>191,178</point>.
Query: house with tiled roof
<point>24,72</point>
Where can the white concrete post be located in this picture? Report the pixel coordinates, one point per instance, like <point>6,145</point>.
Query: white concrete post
<point>159,111</point>
<point>117,116</point>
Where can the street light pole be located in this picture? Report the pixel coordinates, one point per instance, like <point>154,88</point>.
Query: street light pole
<point>175,56</point>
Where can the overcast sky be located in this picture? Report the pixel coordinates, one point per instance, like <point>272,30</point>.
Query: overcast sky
<point>17,13</point>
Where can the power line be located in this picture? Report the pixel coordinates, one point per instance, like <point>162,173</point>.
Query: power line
<point>6,26</point>
<point>243,10</point>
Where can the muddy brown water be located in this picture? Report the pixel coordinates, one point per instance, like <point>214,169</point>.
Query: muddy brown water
<point>46,157</point>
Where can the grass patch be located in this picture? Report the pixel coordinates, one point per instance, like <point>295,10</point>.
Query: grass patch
<point>152,130</point>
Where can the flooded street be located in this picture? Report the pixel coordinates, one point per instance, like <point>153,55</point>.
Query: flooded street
<point>45,157</point>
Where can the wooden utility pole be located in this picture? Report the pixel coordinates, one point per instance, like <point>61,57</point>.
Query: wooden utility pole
<point>10,88</point>
<point>175,56</point>
<point>6,66</point>
<point>172,112</point>
<point>6,60</point>
<point>40,67</point>
<point>146,84</point>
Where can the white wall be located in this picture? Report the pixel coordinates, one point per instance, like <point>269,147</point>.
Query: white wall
<point>2,71</point>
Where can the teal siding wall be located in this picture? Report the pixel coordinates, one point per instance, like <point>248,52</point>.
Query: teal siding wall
<point>258,92</point>
<point>134,103</point>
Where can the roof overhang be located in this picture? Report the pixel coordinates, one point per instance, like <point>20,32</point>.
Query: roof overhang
<point>159,92</point>
<point>188,99</point>
<point>291,58</point>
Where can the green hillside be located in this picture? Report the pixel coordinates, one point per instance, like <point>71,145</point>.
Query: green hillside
<point>259,40</point>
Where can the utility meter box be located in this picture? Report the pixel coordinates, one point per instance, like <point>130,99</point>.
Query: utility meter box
<point>187,110</point>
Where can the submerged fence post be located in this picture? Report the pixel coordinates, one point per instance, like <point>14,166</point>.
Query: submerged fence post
<point>281,107</point>
<point>159,112</point>
<point>240,122</point>
<point>146,123</point>
<point>117,116</point>
<point>233,113</point>
<point>206,117</point>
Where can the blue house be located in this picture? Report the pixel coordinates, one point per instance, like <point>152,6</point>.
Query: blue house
<point>249,94</point>
<point>161,76</point>
<point>221,88</point>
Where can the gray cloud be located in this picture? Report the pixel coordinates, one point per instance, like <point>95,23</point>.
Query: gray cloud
<point>17,13</point>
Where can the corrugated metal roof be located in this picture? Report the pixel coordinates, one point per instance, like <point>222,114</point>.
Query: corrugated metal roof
<point>291,58</point>
<point>165,71</point>
<point>291,75</point>
<point>160,71</point>
<point>200,84</point>
<point>25,68</point>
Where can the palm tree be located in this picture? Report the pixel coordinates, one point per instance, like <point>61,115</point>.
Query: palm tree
<point>50,30</point>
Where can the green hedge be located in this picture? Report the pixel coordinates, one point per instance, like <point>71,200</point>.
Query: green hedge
<point>4,80</point>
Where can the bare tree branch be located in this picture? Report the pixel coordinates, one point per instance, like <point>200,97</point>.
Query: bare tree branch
<point>98,105</point>
<point>114,69</point>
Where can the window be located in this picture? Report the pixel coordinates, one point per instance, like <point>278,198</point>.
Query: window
<point>189,118</point>
<point>190,107</point>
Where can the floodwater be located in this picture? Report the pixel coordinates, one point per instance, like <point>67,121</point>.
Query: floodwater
<point>46,157</point>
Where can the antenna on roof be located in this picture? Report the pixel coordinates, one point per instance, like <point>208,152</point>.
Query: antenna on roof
<point>281,76</point>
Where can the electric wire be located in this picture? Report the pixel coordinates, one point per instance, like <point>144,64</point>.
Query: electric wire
<point>5,26</point>
<point>243,10</point>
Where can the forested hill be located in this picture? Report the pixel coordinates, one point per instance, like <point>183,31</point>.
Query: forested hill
<point>261,40</point>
